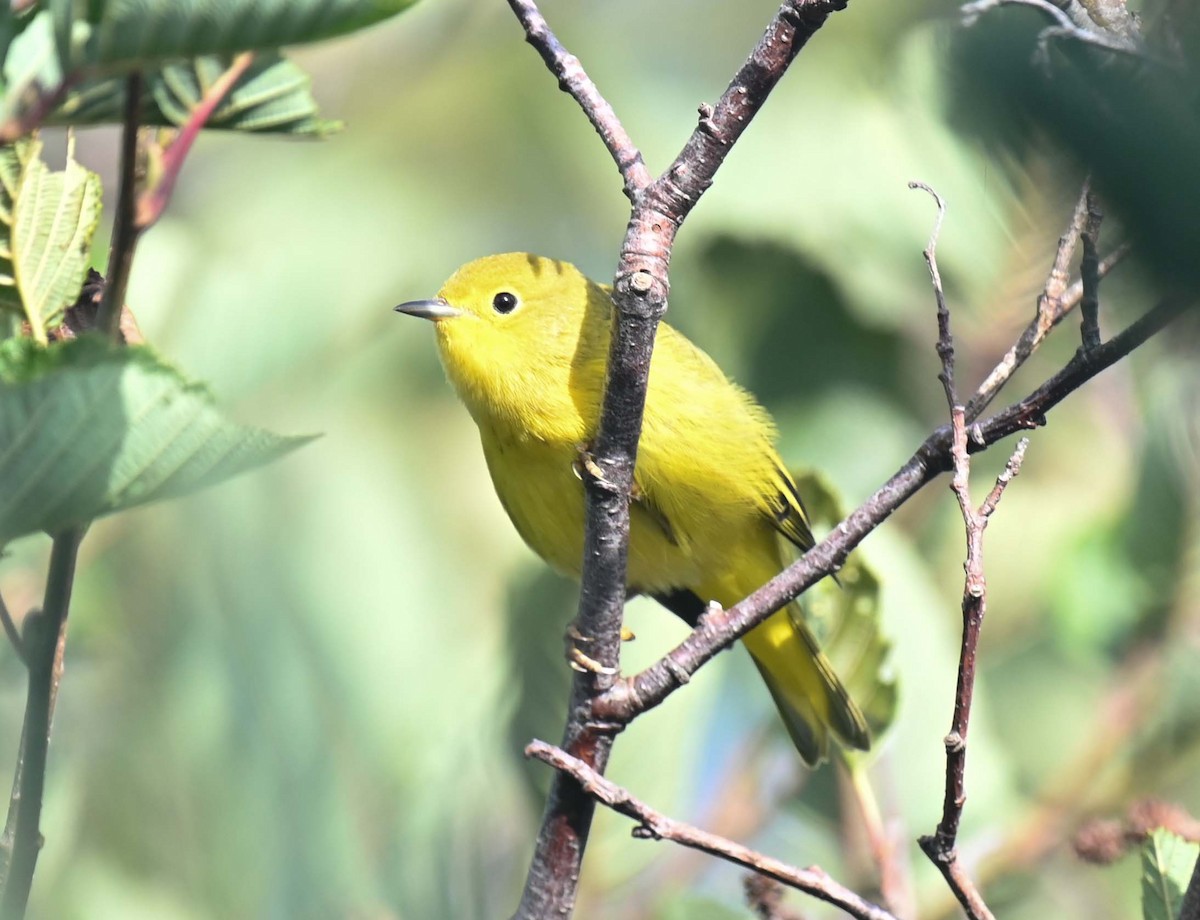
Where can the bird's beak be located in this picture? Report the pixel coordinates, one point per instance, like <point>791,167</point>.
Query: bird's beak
<point>429,309</point>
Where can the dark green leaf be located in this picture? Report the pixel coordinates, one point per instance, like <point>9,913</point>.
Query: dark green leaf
<point>137,32</point>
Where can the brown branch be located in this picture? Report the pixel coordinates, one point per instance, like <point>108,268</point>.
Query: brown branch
<point>1054,303</point>
<point>640,297</point>
<point>941,847</point>
<point>573,80</point>
<point>45,642</point>
<point>718,629</point>
<point>125,229</point>
<point>11,631</point>
<point>654,825</point>
<point>1089,277</point>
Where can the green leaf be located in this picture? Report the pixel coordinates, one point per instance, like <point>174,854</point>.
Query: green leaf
<point>106,40</point>
<point>846,619</point>
<point>1167,864</point>
<point>13,160</point>
<point>54,217</point>
<point>87,428</point>
<point>274,95</point>
<point>137,32</point>
<point>47,220</point>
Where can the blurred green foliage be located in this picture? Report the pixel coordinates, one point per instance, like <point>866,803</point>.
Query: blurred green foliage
<point>305,694</point>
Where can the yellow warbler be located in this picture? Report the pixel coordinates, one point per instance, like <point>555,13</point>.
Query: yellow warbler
<point>524,341</point>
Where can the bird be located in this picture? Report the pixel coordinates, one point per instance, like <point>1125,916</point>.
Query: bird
<point>524,342</point>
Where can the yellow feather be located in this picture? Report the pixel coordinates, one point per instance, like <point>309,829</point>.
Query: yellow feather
<point>712,492</point>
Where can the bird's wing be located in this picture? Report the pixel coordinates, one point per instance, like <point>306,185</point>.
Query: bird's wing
<point>787,511</point>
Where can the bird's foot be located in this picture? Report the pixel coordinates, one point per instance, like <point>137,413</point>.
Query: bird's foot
<point>585,462</point>
<point>578,660</point>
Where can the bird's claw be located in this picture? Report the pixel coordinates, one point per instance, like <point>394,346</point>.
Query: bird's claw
<point>586,463</point>
<point>581,662</point>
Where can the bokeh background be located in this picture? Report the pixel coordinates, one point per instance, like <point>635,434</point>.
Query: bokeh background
<point>304,694</point>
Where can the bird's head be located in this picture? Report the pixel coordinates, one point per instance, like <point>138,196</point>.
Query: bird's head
<point>516,327</point>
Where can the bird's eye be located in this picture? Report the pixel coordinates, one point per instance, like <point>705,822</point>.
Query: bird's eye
<point>504,302</point>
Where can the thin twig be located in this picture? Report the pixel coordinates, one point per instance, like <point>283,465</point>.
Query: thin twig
<point>125,230</point>
<point>889,853</point>
<point>654,825</point>
<point>1052,305</point>
<point>941,847</point>
<point>572,79</point>
<point>1089,277</point>
<point>10,630</point>
<point>153,202</point>
<point>640,297</point>
<point>45,643</point>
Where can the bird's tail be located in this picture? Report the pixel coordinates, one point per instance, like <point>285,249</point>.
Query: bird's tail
<point>809,695</point>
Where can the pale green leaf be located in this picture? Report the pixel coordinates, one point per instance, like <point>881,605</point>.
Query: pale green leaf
<point>13,160</point>
<point>846,619</point>
<point>87,429</point>
<point>274,95</point>
<point>1167,864</point>
<point>54,218</point>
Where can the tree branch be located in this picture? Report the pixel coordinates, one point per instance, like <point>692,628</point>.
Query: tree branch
<point>941,846</point>
<point>11,631</point>
<point>1053,304</point>
<point>1089,276</point>
<point>718,629</point>
<point>573,80</point>
<point>654,825</point>
<point>125,229</point>
<point>45,639</point>
<point>640,298</point>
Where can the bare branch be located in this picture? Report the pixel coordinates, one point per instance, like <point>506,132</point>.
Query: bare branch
<point>125,230</point>
<point>633,695</point>
<point>941,846</point>
<point>45,643</point>
<point>640,297</point>
<point>1052,305</point>
<point>1089,277</point>
<point>654,825</point>
<point>572,79</point>
<point>10,630</point>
